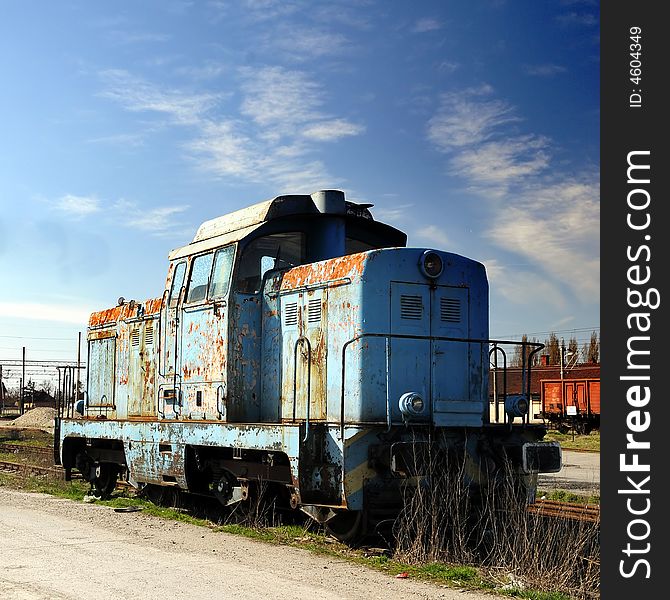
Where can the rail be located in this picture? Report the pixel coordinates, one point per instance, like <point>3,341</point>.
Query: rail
<point>526,364</point>
<point>566,510</point>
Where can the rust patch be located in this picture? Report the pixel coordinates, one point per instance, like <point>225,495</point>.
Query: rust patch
<point>328,270</point>
<point>125,311</point>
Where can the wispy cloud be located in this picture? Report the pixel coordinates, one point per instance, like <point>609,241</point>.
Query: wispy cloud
<point>119,36</point>
<point>580,19</point>
<point>333,130</point>
<point>432,235</point>
<point>468,118</point>
<point>545,70</point>
<point>77,206</point>
<point>66,313</point>
<point>273,137</point>
<point>158,221</point>
<point>549,219</point>
<point>426,24</point>
<point>137,95</point>
<point>310,44</point>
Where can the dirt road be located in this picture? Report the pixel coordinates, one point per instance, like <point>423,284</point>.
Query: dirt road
<point>57,549</point>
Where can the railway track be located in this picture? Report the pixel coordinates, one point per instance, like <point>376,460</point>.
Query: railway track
<point>566,510</point>
<point>44,452</point>
<point>28,469</point>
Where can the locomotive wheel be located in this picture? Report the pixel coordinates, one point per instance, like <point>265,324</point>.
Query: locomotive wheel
<point>346,526</point>
<point>105,479</point>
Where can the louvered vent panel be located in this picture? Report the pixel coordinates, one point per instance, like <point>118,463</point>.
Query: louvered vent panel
<point>149,335</point>
<point>450,310</point>
<point>135,337</point>
<point>291,313</point>
<point>314,310</point>
<point>411,307</point>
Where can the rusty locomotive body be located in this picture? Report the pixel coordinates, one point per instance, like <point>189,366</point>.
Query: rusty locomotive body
<point>298,343</point>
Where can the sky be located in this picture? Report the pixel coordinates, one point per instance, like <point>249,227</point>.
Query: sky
<point>472,126</point>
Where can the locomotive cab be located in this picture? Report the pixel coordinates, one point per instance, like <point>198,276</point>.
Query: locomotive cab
<point>213,297</point>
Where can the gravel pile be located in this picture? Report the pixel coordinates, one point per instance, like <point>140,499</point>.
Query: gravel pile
<point>41,418</point>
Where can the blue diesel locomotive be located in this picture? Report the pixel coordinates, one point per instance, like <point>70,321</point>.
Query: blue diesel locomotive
<point>298,343</point>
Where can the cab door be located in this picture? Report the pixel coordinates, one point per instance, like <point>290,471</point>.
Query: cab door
<point>203,351</point>
<point>169,351</point>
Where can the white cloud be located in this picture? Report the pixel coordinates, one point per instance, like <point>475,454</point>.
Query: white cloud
<point>501,162</point>
<point>333,130</point>
<point>432,234</point>
<point>546,70</point>
<point>273,138</point>
<point>137,95</point>
<point>308,45</point>
<point>549,219</point>
<point>280,98</point>
<point>521,286</point>
<point>158,220</point>
<point>425,25</point>
<point>77,206</point>
<point>45,312</point>
<point>464,119</point>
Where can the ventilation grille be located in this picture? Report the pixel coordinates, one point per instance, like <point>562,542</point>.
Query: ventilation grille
<point>135,337</point>
<point>291,313</point>
<point>314,310</point>
<point>450,310</point>
<point>149,335</point>
<point>411,307</point>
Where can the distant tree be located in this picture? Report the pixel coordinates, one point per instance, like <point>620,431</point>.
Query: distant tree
<point>573,348</point>
<point>553,349</point>
<point>517,359</point>
<point>592,349</point>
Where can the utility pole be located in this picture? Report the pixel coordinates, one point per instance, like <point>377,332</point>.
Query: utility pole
<point>2,394</point>
<point>23,380</point>
<point>562,362</point>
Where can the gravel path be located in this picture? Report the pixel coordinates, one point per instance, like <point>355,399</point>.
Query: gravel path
<point>59,549</point>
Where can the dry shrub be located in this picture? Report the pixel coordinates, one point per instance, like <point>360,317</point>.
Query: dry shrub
<point>447,519</point>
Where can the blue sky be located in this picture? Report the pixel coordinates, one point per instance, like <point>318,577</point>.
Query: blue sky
<point>473,126</point>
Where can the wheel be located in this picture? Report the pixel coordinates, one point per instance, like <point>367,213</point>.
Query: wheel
<point>346,526</point>
<point>105,478</point>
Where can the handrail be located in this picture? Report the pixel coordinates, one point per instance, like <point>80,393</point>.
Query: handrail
<point>432,338</point>
<point>300,340</point>
<point>495,351</point>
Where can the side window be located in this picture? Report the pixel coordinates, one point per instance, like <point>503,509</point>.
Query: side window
<point>223,266</point>
<point>177,283</point>
<point>276,251</point>
<point>200,272</point>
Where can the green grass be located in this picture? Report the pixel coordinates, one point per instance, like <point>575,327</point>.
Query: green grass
<point>565,496</point>
<point>590,442</point>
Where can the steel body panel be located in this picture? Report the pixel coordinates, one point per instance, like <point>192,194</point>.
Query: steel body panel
<point>380,354</point>
<point>142,442</point>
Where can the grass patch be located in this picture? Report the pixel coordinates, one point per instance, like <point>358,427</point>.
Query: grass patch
<point>565,496</point>
<point>590,442</point>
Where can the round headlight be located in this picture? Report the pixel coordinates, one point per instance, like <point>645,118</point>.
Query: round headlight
<point>431,264</point>
<point>516,405</point>
<point>411,404</point>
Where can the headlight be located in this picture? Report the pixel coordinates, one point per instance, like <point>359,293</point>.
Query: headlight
<point>516,406</point>
<point>431,264</point>
<point>411,405</point>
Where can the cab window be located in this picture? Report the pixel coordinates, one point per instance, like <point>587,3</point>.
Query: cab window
<point>276,251</point>
<point>200,272</point>
<point>177,283</point>
<point>223,266</point>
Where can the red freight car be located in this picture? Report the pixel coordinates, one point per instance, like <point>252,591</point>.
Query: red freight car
<point>570,402</point>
